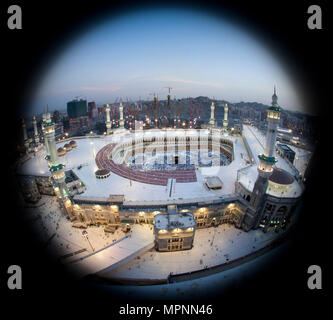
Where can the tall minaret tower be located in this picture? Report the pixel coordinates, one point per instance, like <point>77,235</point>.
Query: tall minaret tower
<point>225,121</point>
<point>273,119</point>
<point>56,168</point>
<point>212,114</point>
<point>46,116</point>
<point>266,160</point>
<point>121,115</point>
<point>168,104</point>
<point>108,121</point>
<point>155,107</point>
<point>34,122</point>
<point>25,135</point>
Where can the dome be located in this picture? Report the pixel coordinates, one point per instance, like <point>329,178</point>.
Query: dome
<point>67,146</point>
<point>281,176</point>
<point>73,144</point>
<point>102,173</point>
<point>61,151</point>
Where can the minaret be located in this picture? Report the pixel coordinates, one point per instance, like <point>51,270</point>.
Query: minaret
<point>212,114</point>
<point>25,135</point>
<point>169,105</point>
<point>108,122</point>
<point>34,122</point>
<point>273,119</point>
<point>225,121</point>
<point>56,168</point>
<point>266,160</point>
<point>156,110</point>
<point>155,107</point>
<point>121,115</point>
<point>45,118</point>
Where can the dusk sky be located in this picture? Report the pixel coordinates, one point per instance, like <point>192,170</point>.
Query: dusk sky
<point>142,52</point>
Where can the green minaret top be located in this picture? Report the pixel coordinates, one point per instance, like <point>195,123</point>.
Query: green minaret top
<point>275,105</point>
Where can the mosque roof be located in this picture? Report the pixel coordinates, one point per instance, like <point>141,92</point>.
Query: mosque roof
<point>173,221</point>
<point>102,172</point>
<point>281,176</point>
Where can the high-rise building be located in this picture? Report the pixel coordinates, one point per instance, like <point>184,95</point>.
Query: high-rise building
<point>56,116</point>
<point>59,130</point>
<point>77,108</point>
<point>100,112</point>
<point>79,125</point>
<point>91,108</point>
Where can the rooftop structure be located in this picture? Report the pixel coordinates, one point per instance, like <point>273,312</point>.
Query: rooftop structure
<point>174,221</point>
<point>174,232</point>
<point>281,176</point>
<point>214,183</point>
<point>286,152</point>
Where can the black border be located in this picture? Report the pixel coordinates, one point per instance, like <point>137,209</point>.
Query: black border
<point>47,28</point>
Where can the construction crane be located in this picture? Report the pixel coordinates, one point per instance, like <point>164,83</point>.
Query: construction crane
<point>77,98</point>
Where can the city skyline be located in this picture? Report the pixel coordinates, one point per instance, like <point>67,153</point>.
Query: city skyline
<point>194,53</point>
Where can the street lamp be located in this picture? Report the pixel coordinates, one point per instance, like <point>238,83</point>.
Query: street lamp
<point>85,234</point>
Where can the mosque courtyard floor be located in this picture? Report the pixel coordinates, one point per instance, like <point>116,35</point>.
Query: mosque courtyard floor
<point>212,246</point>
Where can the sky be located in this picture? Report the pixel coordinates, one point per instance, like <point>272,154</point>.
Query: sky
<point>140,53</point>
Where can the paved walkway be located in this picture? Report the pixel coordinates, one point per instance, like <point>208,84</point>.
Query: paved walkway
<point>140,240</point>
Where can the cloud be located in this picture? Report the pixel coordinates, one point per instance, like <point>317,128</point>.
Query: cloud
<point>84,88</point>
<point>192,82</point>
<point>108,89</point>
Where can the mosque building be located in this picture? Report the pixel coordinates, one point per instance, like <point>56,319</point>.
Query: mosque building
<point>231,177</point>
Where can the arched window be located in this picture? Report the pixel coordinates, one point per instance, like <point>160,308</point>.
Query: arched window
<point>282,210</point>
<point>248,198</point>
